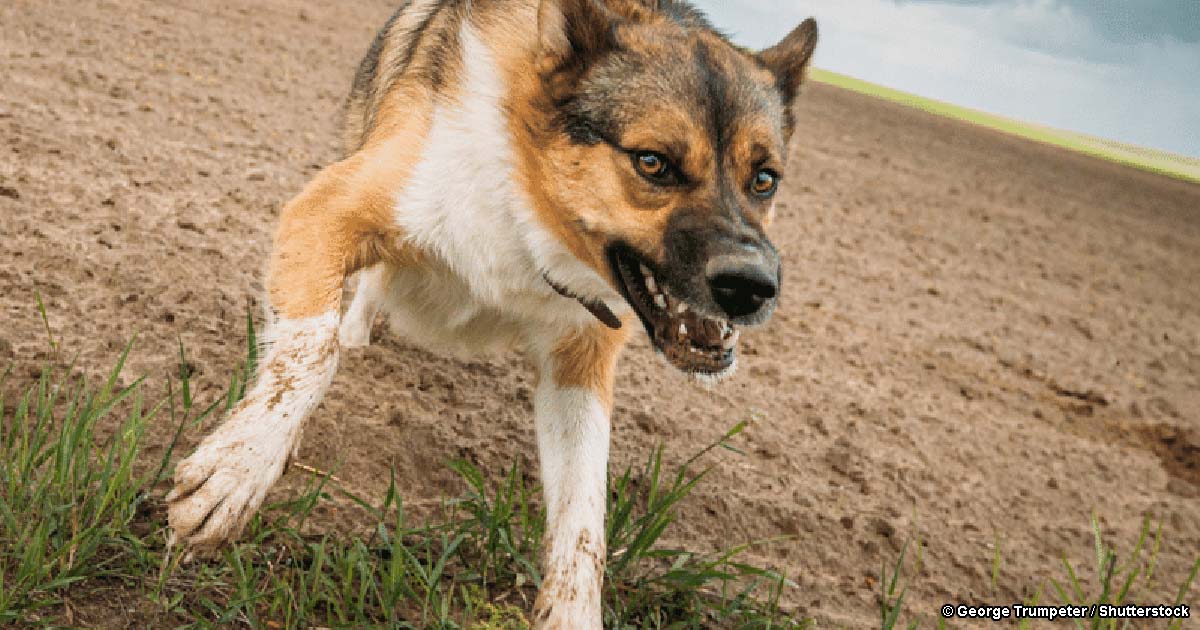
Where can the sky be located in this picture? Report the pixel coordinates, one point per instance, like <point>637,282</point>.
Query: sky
<point>1128,70</point>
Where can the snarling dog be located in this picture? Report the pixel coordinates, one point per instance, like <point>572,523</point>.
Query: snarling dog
<point>530,174</point>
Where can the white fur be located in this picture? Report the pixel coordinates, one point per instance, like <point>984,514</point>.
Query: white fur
<point>711,381</point>
<point>369,296</point>
<point>483,287</point>
<point>486,292</point>
<point>482,228</point>
<point>573,436</point>
<point>221,485</point>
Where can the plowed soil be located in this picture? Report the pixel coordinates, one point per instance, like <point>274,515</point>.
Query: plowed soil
<point>981,339</point>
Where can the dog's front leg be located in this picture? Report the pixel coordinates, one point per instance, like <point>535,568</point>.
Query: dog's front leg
<point>572,407</point>
<point>337,225</point>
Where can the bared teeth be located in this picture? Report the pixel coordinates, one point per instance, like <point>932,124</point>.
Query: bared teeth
<point>680,331</point>
<point>649,278</point>
<point>652,286</point>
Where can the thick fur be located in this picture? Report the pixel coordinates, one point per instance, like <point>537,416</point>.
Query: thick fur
<point>489,184</point>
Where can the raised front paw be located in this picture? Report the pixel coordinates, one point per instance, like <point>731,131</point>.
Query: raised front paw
<point>218,489</point>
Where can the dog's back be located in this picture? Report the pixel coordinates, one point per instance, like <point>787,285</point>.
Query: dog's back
<point>398,47</point>
<point>364,91</point>
<point>420,41</point>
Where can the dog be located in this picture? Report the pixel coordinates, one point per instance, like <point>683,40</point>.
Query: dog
<point>540,175</point>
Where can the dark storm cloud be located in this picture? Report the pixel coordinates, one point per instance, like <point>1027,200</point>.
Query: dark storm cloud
<point>1121,21</point>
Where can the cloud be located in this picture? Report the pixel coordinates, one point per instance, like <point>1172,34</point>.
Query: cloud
<point>1064,63</point>
<point>1121,21</point>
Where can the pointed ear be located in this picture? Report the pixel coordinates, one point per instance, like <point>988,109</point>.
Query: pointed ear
<point>789,59</point>
<point>574,28</point>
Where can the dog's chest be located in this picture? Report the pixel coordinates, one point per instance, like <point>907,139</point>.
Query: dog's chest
<point>485,288</point>
<point>435,308</point>
<point>461,202</point>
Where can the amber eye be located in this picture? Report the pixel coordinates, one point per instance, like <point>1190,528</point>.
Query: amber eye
<point>765,183</point>
<point>652,165</point>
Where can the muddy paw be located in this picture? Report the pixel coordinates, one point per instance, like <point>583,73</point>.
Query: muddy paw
<point>217,490</point>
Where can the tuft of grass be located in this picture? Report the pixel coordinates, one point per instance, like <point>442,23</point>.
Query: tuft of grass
<point>1155,161</point>
<point>67,508</point>
<point>649,586</point>
<point>1120,580</point>
<point>891,600</point>
<point>79,525</point>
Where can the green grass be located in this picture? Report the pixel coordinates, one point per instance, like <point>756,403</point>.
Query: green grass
<point>1162,162</point>
<point>80,527</point>
<point>1121,579</point>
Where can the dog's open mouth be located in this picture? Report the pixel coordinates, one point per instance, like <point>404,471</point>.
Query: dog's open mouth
<point>692,342</point>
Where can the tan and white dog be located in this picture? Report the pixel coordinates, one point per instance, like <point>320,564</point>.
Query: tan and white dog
<point>532,174</point>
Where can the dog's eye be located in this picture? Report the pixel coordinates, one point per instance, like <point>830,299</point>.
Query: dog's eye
<point>765,183</point>
<point>652,165</point>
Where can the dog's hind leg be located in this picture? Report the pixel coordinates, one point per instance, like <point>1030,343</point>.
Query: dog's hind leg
<point>369,295</point>
<point>340,223</point>
<point>572,407</point>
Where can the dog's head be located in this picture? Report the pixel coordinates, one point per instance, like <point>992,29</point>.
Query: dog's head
<point>663,148</point>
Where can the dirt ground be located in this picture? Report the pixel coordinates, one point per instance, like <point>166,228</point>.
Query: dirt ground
<point>980,338</point>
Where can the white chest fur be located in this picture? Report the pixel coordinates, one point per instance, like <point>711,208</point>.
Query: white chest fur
<point>462,206</point>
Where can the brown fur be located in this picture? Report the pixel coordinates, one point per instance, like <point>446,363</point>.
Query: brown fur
<point>588,359</point>
<point>615,199</point>
<point>399,52</point>
<point>340,223</point>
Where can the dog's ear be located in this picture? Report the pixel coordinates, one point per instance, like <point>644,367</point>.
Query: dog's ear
<point>789,59</point>
<point>574,29</point>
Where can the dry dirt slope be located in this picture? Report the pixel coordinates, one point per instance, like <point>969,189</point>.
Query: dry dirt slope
<point>980,337</point>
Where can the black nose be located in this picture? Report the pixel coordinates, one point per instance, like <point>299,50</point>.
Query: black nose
<point>743,290</point>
